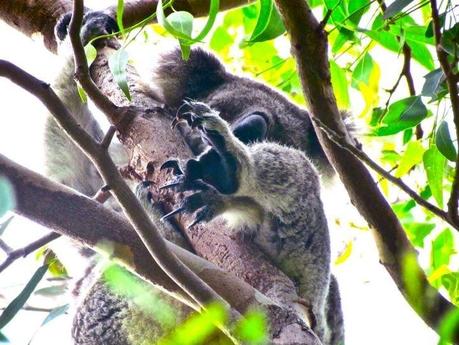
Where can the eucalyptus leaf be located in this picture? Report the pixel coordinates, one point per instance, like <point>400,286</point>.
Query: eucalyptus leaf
<point>434,166</point>
<point>433,81</point>
<point>5,224</point>
<point>7,198</point>
<point>444,143</point>
<point>117,62</point>
<point>396,7</point>
<point>340,85</point>
<point>16,304</point>
<point>269,24</point>
<point>411,157</point>
<point>119,15</point>
<point>362,71</point>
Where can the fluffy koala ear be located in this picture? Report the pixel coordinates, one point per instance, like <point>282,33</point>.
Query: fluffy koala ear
<point>179,79</point>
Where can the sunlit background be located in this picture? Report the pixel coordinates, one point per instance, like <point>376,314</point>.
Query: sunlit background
<point>375,312</point>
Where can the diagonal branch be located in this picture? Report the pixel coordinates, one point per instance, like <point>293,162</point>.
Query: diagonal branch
<point>309,48</point>
<point>24,251</point>
<point>451,82</point>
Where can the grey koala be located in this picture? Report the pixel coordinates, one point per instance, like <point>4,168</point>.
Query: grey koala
<point>241,173</point>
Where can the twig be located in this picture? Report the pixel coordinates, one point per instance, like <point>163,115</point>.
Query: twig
<point>453,93</point>
<point>340,140</point>
<point>30,308</point>
<point>105,143</point>
<point>406,72</point>
<point>24,251</point>
<point>6,248</point>
<point>81,64</point>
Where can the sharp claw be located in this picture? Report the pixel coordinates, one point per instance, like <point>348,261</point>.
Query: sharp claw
<point>200,216</point>
<point>172,164</point>
<point>170,185</point>
<point>172,213</point>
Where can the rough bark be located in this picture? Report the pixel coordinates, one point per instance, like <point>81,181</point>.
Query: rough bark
<point>89,223</point>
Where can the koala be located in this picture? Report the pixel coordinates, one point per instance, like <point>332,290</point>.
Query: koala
<point>246,170</point>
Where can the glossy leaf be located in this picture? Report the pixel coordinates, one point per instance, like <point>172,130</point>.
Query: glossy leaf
<point>411,157</point>
<point>165,23</point>
<point>444,143</point>
<point>403,114</point>
<point>448,327</point>
<point>117,62</point>
<point>212,16</point>
<point>340,85</point>
<point>396,7</point>
<point>3,339</point>
<point>269,24</point>
<point>362,71</point>
<point>421,54</point>
<point>16,304</point>
<point>356,9</point>
<point>7,198</point>
<point>432,84</point>
<point>434,166</point>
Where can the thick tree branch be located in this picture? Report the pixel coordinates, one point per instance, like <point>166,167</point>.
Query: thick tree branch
<point>451,82</point>
<point>309,47</point>
<point>89,223</point>
<point>40,16</point>
<point>199,291</point>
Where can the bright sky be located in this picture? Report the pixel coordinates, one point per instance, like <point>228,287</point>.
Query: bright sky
<point>375,312</point>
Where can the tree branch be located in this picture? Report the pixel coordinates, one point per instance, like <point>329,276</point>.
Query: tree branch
<point>453,90</point>
<point>89,223</point>
<point>24,251</point>
<point>309,47</point>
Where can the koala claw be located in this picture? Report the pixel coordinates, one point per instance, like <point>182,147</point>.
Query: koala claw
<point>172,164</point>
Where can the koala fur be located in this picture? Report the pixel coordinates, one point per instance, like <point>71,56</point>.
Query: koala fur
<point>253,174</point>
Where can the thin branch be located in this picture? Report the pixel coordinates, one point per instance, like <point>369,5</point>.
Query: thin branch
<point>454,96</point>
<point>81,64</point>
<point>24,251</point>
<point>357,152</point>
<point>406,72</point>
<point>6,248</point>
<point>106,141</point>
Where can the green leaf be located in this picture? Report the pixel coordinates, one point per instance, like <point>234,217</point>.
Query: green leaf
<point>362,71</point>
<point>417,232</point>
<point>17,303</point>
<point>91,53</point>
<point>5,224</point>
<point>252,328</point>
<point>344,35</point>
<point>181,21</point>
<point>442,249</point>
<point>269,24</point>
<point>432,83</point>
<point>429,31</point>
<point>340,85</point>
<point>117,62</point>
<point>3,339</point>
<point>421,54</point>
<point>403,114</point>
<point>213,11</point>
<point>411,157</point>
<point>58,311</point>
<point>197,328</point>
<point>54,290</point>
<point>356,9</point>
<point>434,165</point>
<point>7,198</point>
<point>396,7</point>
<point>119,15</point>
<point>339,11</point>
<point>448,327</point>
<point>444,143</point>
<point>169,28</point>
